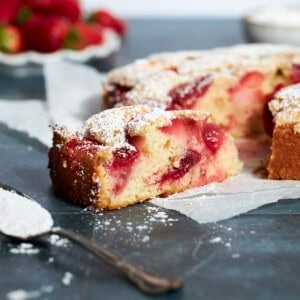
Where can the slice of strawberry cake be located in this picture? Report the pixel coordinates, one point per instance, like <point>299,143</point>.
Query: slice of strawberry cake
<point>284,162</point>
<point>233,84</point>
<point>127,155</point>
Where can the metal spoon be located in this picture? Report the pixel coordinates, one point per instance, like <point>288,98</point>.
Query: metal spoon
<point>146,281</point>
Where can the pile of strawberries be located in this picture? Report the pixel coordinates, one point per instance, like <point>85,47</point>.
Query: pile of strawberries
<point>48,25</point>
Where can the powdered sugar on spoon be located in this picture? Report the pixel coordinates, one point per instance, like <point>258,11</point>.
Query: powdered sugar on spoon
<point>21,217</point>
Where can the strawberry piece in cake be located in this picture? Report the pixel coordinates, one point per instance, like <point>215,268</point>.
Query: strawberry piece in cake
<point>130,154</point>
<point>284,162</point>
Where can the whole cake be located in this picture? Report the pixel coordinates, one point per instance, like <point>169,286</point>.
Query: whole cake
<point>234,84</point>
<point>127,155</point>
<point>284,162</point>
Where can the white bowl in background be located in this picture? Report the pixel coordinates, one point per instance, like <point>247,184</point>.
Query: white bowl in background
<point>278,25</point>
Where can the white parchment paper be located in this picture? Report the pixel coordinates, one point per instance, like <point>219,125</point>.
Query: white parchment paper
<point>74,93</point>
<point>30,116</point>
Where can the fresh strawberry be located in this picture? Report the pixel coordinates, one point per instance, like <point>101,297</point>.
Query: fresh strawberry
<point>69,9</point>
<point>25,13</point>
<point>8,10</point>
<point>107,20</point>
<point>27,26</point>
<point>44,7</point>
<point>46,34</point>
<point>11,40</point>
<point>82,34</point>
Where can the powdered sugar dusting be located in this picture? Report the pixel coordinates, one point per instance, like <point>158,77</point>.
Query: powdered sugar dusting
<point>137,232</point>
<point>286,105</point>
<point>108,127</point>
<point>22,217</point>
<point>68,277</point>
<point>129,74</point>
<point>160,116</point>
<point>154,89</point>
<point>56,240</point>
<point>26,295</point>
<point>111,127</point>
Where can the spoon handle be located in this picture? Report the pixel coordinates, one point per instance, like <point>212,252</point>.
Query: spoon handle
<point>144,280</point>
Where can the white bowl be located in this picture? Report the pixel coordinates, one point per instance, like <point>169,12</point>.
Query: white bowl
<point>278,25</point>
<point>31,62</point>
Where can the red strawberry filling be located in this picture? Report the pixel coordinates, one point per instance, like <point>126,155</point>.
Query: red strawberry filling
<point>267,115</point>
<point>208,133</point>
<point>248,98</point>
<point>116,93</point>
<point>123,162</point>
<point>295,76</point>
<point>248,89</point>
<point>75,149</point>
<point>190,159</point>
<point>183,129</point>
<point>211,134</point>
<point>185,96</point>
<point>213,137</point>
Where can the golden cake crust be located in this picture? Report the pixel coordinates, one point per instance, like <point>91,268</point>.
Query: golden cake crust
<point>79,187</point>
